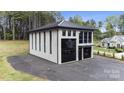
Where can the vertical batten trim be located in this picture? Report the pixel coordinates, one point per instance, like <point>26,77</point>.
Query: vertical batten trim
<point>57,47</point>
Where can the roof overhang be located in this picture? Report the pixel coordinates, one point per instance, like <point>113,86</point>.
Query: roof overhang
<point>62,27</point>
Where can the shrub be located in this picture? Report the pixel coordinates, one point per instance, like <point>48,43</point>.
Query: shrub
<point>123,57</point>
<point>118,50</point>
<point>97,52</point>
<point>98,45</point>
<point>113,55</point>
<point>104,54</point>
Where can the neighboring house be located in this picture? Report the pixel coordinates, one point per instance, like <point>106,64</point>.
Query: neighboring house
<point>116,41</point>
<point>62,42</point>
<point>105,42</point>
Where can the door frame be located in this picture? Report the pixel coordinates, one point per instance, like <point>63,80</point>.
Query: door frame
<point>80,50</point>
<point>62,50</point>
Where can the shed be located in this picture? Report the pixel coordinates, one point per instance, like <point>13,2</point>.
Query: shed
<point>62,42</point>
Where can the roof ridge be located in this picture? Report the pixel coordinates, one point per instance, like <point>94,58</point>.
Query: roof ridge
<point>60,22</point>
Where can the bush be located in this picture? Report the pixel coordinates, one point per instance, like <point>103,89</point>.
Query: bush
<point>97,52</point>
<point>104,54</point>
<point>123,57</point>
<point>113,55</point>
<point>111,47</point>
<point>98,45</point>
<point>118,50</point>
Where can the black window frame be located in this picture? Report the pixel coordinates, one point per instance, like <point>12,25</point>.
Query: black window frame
<point>50,32</point>
<point>32,40</point>
<point>90,37</point>
<point>44,42</point>
<point>35,40</point>
<point>69,32</point>
<point>63,32</point>
<point>74,33</point>
<point>85,37</point>
<point>81,37</point>
<point>39,41</point>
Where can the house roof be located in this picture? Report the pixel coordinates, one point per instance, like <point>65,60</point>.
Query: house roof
<point>106,40</point>
<point>119,38</point>
<point>63,24</point>
<point>116,38</point>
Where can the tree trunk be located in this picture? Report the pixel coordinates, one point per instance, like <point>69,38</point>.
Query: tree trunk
<point>0,35</point>
<point>29,22</point>
<point>4,33</point>
<point>13,28</point>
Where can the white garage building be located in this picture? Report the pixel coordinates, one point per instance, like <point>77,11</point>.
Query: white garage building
<point>62,42</point>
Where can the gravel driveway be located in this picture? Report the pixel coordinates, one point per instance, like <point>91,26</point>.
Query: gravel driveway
<point>96,69</point>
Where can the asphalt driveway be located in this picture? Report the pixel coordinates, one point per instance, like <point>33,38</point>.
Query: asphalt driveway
<point>96,69</point>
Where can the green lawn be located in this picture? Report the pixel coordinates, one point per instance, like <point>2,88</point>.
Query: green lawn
<point>10,48</point>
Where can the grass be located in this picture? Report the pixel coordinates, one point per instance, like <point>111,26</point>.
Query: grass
<point>11,48</point>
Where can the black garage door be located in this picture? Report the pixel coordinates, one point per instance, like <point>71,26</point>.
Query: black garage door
<point>87,52</point>
<point>68,50</point>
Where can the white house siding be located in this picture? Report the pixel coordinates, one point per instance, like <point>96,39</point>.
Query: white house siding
<point>46,55</point>
<point>77,44</point>
<point>30,42</point>
<point>33,41</point>
<point>56,45</point>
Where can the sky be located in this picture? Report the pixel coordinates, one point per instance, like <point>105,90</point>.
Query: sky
<point>96,15</point>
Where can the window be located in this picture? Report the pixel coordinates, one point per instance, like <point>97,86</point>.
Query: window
<point>90,37</point>
<point>44,41</point>
<point>39,41</point>
<point>81,37</point>
<point>74,33</point>
<point>32,40</point>
<point>50,42</point>
<point>35,41</point>
<point>63,32</point>
<point>85,37</point>
<point>69,33</point>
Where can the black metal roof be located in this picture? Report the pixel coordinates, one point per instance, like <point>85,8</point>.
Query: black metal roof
<point>63,24</point>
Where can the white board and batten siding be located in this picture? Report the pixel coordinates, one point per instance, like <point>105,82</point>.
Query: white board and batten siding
<point>42,50</point>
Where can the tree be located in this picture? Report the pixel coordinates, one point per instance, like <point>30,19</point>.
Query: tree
<point>121,24</point>
<point>91,23</point>
<point>110,30</point>
<point>114,21</point>
<point>16,24</point>
<point>100,24</point>
<point>76,19</point>
<point>97,34</point>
